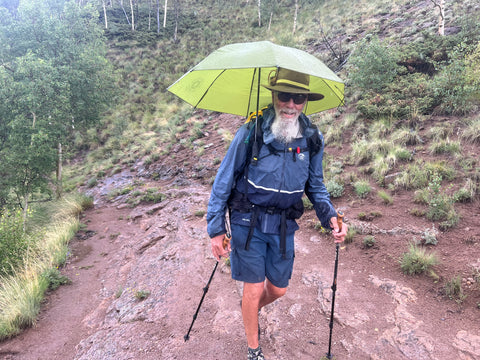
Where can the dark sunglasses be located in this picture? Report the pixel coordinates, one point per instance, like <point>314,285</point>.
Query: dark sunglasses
<point>297,98</point>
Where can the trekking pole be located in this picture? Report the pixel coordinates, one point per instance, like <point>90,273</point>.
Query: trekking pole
<point>334,285</point>
<point>226,240</point>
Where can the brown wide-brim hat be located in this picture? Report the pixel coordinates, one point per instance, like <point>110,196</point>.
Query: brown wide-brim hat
<point>290,81</point>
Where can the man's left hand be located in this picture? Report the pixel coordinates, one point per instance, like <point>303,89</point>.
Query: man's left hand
<point>338,235</point>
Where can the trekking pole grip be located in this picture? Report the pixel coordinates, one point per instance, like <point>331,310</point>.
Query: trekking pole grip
<point>226,240</point>
<point>340,216</point>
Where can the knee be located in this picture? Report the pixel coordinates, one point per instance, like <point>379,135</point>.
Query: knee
<point>252,292</point>
<point>276,292</point>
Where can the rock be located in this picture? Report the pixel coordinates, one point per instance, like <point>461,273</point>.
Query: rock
<point>468,345</point>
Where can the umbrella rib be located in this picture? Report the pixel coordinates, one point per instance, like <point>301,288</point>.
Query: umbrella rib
<point>211,84</point>
<point>251,89</point>
<point>342,100</point>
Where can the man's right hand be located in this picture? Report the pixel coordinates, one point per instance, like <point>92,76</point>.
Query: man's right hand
<point>217,247</point>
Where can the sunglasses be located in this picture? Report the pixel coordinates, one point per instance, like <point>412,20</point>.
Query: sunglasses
<point>297,98</point>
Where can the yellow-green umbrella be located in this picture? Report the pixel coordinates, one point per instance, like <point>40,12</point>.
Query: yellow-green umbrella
<point>228,80</point>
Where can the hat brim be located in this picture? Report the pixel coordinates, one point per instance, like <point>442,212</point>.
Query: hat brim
<point>294,90</point>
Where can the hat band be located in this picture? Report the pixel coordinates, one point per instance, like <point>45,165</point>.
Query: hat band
<point>292,83</point>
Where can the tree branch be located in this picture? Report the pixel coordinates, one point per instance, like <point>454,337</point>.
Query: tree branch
<point>7,67</point>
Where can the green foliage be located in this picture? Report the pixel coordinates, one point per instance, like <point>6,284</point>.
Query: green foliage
<point>14,242</point>
<point>142,294</point>
<point>406,97</point>
<point>472,71</point>
<point>445,147</point>
<point>362,188</point>
<point>453,289</point>
<point>429,236</point>
<point>386,198</point>
<point>467,192</point>
<point>56,82</point>
<point>307,204</point>
<point>369,241</point>
<point>55,279</point>
<point>417,260</point>
<point>472,131</point>
<point>350,235</point>
<point>440,204</point>
<point>455,88</point>
<point>334,188</point>
<point>418,174</point>
<point>373,65</point>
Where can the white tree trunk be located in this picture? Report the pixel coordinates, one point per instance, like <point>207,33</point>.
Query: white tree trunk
<point>259,13</point>
<point>165,15</point>
<point>441,15</point>
<point>441,19</point>
<point>295,17</point>
<point>133,16</point>
<point>149,14</point>
<point>124,12</point>
<point>105,13</point>
<point>59,189</point>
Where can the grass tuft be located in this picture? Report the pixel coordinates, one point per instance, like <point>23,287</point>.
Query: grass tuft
<point>417,260</point>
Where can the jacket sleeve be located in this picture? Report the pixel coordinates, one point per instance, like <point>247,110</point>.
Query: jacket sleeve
<point>232,163</point>
<point>317,192</point>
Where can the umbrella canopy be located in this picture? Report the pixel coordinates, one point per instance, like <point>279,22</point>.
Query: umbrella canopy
<point>228,80</point>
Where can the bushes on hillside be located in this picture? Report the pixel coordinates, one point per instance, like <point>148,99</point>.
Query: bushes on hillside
<point>13,241</point>
<point>443,81</point>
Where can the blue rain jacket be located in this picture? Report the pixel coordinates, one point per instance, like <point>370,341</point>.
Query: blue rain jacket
<point>278,180</point>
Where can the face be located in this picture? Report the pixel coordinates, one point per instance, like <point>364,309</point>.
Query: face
<point>288,109</point>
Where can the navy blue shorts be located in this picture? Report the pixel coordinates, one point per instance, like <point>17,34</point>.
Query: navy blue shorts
<point>262,259</point>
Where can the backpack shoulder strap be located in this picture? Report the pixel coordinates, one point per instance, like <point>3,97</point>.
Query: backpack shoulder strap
<point>314,142</point>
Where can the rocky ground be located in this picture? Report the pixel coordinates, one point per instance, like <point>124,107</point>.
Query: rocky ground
<point>138,275</point>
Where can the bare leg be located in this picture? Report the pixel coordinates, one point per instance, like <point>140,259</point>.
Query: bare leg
<point>270,294</point>
<point>255,296</point>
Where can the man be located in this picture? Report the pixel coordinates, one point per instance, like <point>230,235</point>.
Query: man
<point>267,169</point>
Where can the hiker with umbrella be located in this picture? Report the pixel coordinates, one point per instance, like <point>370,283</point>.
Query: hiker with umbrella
<point>266,197</point>
<point>272,161</point>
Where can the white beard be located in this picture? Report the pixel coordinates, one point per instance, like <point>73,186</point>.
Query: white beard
<point>285,130</point>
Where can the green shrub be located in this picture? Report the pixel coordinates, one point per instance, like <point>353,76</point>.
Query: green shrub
<point>386,198</point>
<point>54,278</point>
<point>334,188</point>
<point>440,205</point>
<point>429,236</point>
<point>369,241</point>
<point>417,261</point>
<point>362,188</point>
<point>142,294</point>
<point>445,147</point>
<point>307,204</point>
<point>452,87</point>
<point>13,241</point>
<point>406,136</point>
<point>467,192</point>
<point>453,289</point>
<point>472,132</point>
<point>350,235</point>
<point>373,65</point>
<point>92,182</point>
